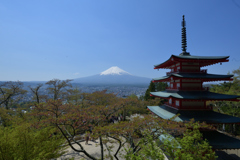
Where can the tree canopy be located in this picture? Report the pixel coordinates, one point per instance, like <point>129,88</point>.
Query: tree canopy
<point>62,119</point>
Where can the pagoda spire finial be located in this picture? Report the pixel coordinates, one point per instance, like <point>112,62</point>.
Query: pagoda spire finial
<point>184,39</point>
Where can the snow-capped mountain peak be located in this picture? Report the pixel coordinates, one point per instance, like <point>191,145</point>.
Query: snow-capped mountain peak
<point>114,71</point>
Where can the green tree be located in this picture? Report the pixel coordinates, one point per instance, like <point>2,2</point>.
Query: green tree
<point>149,150</point>
<point>11,92</point>
<point>232,88</point>
<point>236,75</point>
<point>37,97</point>
<point>190,146</point>
<point>72,120</point>
<point>5,117</point>
<point>135,133</point>
<point>161,86</point>
<point>59,88</point>
<point>22,141</point>
<point>76,97</point>
<point>93,113</point>
<point>227,107</point>
<point>151,88</point>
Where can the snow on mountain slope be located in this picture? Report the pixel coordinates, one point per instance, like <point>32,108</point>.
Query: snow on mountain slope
<point>114,71</point>
<point>113,75</point>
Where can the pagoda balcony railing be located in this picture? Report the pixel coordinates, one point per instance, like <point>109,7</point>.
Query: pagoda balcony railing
<point>172,105</point>
<point>189,107</point>
<point>196,108</point>
<point>169,88</point>
<point>193,88</point>
<point>189,88</point>
<point>188,71</point>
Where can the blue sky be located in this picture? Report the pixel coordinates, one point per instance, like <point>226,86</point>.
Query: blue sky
<point>42,40</point>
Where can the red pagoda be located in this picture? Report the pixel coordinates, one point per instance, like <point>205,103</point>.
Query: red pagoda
<point>187,97</point>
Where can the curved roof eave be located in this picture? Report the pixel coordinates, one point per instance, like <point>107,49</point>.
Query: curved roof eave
<point>194,95</point>
<point>163,62</point>
<point>211,117</point>
<point>214,77</point>
<point>190,57</point>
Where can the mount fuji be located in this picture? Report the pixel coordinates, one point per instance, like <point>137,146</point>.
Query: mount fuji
<point>114,71</point>
<point>113,76</point>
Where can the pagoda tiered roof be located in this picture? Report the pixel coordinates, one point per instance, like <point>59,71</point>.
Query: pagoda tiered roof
<point>194,95</point>
<point>199,76</point>
<point>207,116</point>
<point>220,141</point>
<point>202,60</point>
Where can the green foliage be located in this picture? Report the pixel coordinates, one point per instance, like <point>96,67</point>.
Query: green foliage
<point>227,107</point>
<point>151,88</point>
<point>133,105</point>
<point>194,147</point>
<point>25,142</point>
<point>76,97</point>
<point>37,97</point>
<point>149,150</point>
<point>133,96</point>
<point>20,139</point>
<point>161,86</point>
<point>5,116</point>
<point>237,75</point>
<point>190,146</point>
<point>59,88</point>
<point>136,133</point>
<point>10,93</point>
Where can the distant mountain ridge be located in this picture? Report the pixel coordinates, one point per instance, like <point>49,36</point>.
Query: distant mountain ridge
<point>113,75</point>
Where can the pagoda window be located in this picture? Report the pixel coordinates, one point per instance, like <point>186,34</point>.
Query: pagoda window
<point>178,68</point>
<point>177,103</point>
<point>178,85</point>
<point>170,101</point>
<point>171,85</point>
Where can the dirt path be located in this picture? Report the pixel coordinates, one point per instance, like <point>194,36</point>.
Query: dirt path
<point>93,148</point>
